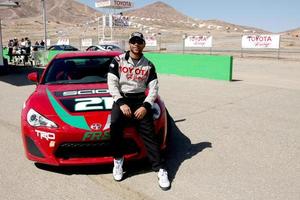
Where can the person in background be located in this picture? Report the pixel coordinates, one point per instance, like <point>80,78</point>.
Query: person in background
<point>10,49</point>
<point>127,88</point>
<point>42,43</point>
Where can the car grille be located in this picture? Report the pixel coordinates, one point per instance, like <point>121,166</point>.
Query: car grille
<point>92,149</point>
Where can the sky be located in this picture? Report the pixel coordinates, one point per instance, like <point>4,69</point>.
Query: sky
<point>271,15</point>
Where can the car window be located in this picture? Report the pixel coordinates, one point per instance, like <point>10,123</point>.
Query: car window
<point>69,48</point>
<point>110,47</point>
<point>77,70</point>
<point>92,48</point>
<point>52,48</point>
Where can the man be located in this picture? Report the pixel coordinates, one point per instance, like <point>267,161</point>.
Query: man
<point>10,49</point>
<point>127,88</point>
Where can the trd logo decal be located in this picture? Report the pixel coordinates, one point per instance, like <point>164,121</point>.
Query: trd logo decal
<point>45,135</point>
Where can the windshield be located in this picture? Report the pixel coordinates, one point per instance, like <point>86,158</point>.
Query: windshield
<point>77,70</point>
<point>111,47</point>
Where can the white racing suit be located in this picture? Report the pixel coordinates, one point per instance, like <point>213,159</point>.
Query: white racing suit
<point>127,81</point>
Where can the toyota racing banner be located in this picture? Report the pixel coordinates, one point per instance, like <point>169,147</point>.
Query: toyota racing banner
<point>151,41</point>
<point>261,41</point>
<point>198,41</point>
<point>113,4</point>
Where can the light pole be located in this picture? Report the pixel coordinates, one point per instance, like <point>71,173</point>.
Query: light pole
<point>45,22</point>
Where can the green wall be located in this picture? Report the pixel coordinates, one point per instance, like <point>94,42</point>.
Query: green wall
<point>53,53</point>
<point>5,52</point>
<point>46,56</point>
<point>204,66</point>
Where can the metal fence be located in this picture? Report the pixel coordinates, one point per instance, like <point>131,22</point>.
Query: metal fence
<point>229,44</point>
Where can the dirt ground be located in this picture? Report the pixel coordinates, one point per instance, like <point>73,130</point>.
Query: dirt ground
<point>230,140</point>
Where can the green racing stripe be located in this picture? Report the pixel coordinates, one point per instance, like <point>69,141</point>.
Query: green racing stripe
<point>75,121</point>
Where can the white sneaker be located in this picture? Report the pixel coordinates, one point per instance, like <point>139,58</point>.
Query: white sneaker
<point>118,169</point>
<point>163,179</point>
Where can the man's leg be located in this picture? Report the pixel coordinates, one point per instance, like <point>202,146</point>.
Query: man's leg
<point>146,130</point>
<point>116,132</point>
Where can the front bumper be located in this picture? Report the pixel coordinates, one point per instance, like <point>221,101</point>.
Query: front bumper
<point>71,150</point>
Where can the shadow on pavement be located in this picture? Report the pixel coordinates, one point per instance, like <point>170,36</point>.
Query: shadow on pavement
<point>71,170</point>
<point>17,75</point>
<point>180,148</point>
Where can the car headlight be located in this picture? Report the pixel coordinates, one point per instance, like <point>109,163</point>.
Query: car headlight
<point>36,119</point>
<point>156,111</point>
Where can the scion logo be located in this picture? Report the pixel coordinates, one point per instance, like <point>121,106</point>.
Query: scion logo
<point>45,135</point>
<point>96,126</point>
<point>83,92</point>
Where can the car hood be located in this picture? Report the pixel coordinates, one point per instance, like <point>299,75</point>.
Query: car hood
<point>85,106</point>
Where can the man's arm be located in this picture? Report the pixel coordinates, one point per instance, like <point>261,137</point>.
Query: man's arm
<point>152,84</point>
<point>114,87</point>
<point>113,81</point>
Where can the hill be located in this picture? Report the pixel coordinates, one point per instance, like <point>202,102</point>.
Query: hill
<point>158,10</point>
<point>65,18</point>
<point>294,32</point>
<point>69,11</point>
<point>167,18</point>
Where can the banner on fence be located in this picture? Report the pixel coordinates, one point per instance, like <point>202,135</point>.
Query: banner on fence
<point>85,42</point>
<point>151,41</point>
<point>261,41</point>
<point>198,41</point>
<point>117,4</point>
<point>63,41</point>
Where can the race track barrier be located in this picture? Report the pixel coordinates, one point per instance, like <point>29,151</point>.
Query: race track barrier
<point>204,66</point>
<point>5,53</point>
<point>45,57</point>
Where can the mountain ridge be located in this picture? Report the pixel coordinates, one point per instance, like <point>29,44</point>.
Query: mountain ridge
<point>74,19</point>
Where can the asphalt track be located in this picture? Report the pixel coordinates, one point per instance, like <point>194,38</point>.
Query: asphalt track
<point>231,140</point>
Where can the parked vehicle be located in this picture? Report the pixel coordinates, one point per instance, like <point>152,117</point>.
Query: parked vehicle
<point>66,120</point>
<point>105,47</point>
<point>63,48</point>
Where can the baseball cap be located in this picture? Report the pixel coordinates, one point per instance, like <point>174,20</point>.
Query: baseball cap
<point>136,36</point>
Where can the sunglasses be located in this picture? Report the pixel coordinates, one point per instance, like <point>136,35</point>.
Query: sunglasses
<point>136,41</point>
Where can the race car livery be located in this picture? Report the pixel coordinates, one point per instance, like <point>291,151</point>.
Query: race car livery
<point>66,120</point>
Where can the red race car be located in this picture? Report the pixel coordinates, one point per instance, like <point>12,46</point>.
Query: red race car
<point>66,120</point>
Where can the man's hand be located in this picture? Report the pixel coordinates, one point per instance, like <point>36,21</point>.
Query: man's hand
<point>126,110</point>
<point>140,113</point>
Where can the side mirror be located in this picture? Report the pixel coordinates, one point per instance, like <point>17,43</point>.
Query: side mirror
<point>33,76</point>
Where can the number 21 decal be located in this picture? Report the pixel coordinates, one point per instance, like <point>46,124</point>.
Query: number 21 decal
<point>94,103</point>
